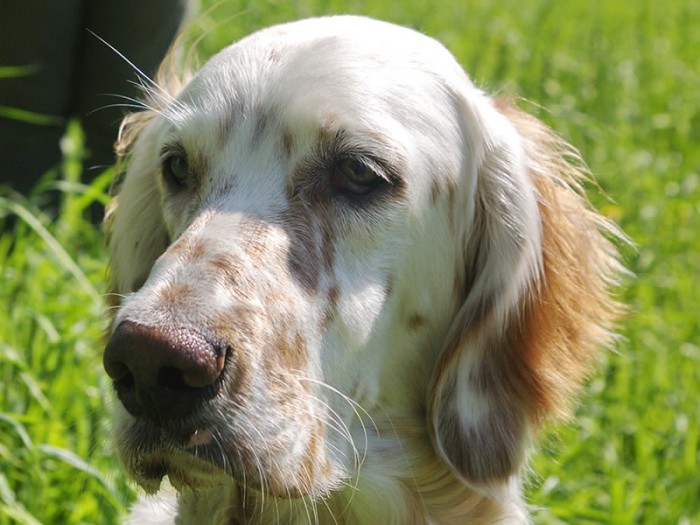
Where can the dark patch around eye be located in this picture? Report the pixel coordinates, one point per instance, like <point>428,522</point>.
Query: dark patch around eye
<point>355,176</point>
<point>175,166</point>
<point>348,171</point>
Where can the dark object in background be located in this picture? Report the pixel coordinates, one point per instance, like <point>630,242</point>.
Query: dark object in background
<point>69,72</point>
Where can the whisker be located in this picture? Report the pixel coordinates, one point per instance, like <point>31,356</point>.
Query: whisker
<point>117,294</point>
<point>138,71</point>
<point>138,107</point>
<point>159,98</point>
<point>143,104</point>
<point>359,411</point>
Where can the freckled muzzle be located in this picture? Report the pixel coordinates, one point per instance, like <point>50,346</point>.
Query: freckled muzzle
<point>212,359</point>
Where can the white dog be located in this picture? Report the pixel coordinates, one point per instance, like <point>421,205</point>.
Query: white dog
<point>352,285</point>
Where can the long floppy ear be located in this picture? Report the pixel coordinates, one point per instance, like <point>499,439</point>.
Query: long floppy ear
<point>539,266</point>
<point>136,234</point>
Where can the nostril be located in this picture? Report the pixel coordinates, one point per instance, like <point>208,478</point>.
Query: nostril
<point>123,380</point>
<point>118,371</point>
<point>171,378</point>
<point>126,382</point>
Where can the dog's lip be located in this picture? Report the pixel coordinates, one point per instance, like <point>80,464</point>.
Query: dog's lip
<point>199,437</point>
<point>182,470</point>
<point>187,452</point>
<point>180,436</point>
<point>170,441</point>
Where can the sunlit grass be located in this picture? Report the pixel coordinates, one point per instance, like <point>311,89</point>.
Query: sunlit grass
<point>56,464</point>
<point>618,79</point>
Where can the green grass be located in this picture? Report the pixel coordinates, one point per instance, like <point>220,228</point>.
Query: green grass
<point>619,79</point>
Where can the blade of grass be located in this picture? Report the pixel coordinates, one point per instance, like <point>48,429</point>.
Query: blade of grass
<point>61,254</point>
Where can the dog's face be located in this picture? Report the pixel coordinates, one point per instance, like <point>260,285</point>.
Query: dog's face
<point>298,230</point>
<point>297,176</point>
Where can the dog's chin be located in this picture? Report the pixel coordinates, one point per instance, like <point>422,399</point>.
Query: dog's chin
<point>190,464</point>
<point>184,474</point>
<point>195,460</point>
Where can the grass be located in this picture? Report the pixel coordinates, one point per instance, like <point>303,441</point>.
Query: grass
<point>619,79</point>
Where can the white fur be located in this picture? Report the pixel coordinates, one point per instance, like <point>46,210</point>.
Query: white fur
<point>381,310</point>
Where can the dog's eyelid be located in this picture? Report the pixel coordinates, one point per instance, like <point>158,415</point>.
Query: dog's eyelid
<point>360,174</point>
<point>355,175</point>
<point>175,165</point>
<point>172,148</point>
<point>368,150</point>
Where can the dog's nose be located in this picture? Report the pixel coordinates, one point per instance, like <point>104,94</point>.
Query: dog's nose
<point>162,373</point>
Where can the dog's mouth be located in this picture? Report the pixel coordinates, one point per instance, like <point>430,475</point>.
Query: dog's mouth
<point>190,459</point>
<point>204,456</point>
<point>199,438</point>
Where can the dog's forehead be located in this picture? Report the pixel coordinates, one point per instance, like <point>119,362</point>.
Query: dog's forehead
<point>343,61</point>
<point>338,41</point>
<point>388,90</point>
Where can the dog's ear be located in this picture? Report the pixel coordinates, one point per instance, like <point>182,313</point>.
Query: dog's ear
<point>136,234</point>
<point>539,266</point>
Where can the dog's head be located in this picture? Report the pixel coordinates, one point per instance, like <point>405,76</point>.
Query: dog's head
<point>330,219</point>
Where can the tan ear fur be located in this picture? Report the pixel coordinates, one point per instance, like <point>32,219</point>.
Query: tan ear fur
<point>502,373</point>
<point>136,234</point>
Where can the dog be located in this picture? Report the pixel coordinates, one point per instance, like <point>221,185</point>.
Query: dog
<point>350,285</point>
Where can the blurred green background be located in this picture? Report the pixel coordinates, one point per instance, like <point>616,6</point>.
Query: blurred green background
<point>620,80</point>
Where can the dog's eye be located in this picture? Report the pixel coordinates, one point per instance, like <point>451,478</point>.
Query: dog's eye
<point>176,169</point>
<point>355,176</point>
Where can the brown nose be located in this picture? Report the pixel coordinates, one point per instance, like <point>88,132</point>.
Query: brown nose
<point>162,373</point>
